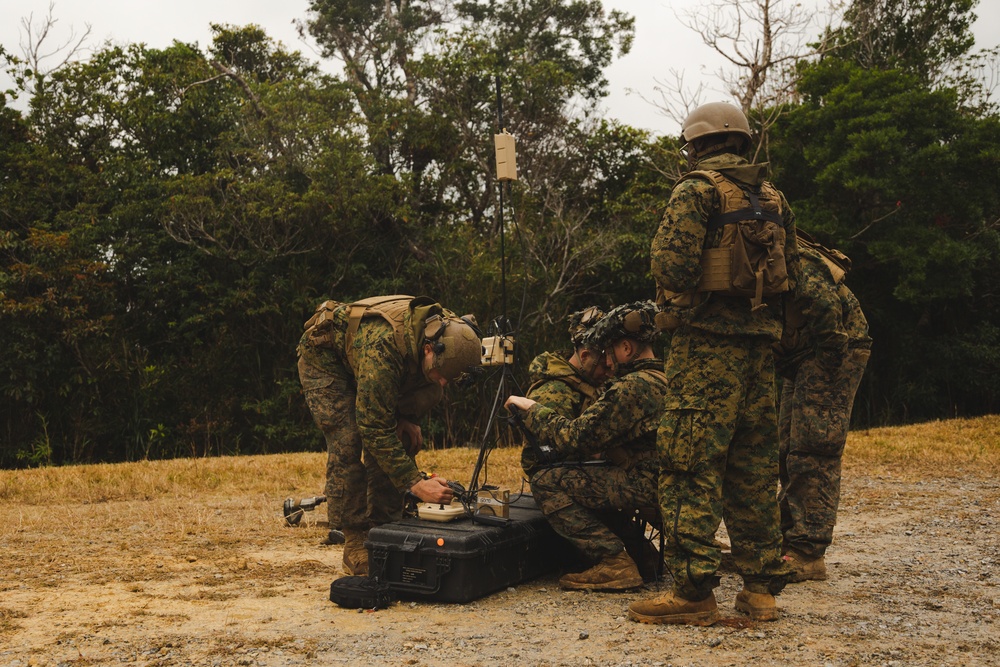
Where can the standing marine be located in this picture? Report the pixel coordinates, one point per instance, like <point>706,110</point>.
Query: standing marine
<point>822,357</point>
<point>723,257</point>
<point>621,424</point>
<point>370,370</point>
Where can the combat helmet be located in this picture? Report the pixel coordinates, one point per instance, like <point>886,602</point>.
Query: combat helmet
<point>632,320</point>
<point>580,322</point>
<point>456,344</point>
<point>718,118</point>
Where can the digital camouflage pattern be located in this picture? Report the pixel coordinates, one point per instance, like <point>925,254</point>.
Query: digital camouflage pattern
<point>823,370</point>
<point>357,409</point>
<point>718,440</point>
<point>557,385</point>
<point>622,424</point>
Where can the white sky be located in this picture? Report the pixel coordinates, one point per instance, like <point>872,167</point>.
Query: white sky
<point>661,42</point>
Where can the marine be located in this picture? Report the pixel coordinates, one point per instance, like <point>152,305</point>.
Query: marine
<point>370,370</point>
<point>567,385</point>
<point>573,492</point>
<point>822,357</point>
<point>722,258</point>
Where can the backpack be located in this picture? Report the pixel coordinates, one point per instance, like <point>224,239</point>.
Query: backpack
<point>750,258</point>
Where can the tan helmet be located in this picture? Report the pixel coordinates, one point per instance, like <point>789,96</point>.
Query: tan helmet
<point>716,118</point>
<point>457,348</point>
<point>581,321</point>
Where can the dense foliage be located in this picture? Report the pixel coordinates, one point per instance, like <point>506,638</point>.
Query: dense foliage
<point>169,218</point>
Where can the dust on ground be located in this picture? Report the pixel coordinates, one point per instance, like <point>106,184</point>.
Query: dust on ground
<point>221,581</point>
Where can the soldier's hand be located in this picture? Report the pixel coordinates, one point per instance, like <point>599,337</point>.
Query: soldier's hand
<point>519,402</point>
<point>411,437</point>
<point>433,490</point>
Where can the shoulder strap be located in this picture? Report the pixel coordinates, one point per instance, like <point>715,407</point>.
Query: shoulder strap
<point>376,305</point>
<point>722,184</point>
<point>657,373</point>
<point>838,263</point>
<point>573,381</point>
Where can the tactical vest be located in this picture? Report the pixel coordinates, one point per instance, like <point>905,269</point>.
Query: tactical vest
<point>393,309</point>
<point>837,262</point>
<point>575,381</point>
<point>750,258</point>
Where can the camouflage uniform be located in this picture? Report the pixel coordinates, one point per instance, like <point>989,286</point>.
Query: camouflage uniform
<point>621,423</point>
<point>556,384</point>
<point>357,408</point>
<point>822,357</point>
<point>718,441</point>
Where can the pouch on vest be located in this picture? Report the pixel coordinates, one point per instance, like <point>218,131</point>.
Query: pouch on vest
<point>838,263</point>
<point>750,258</point>
<point>320,324</point>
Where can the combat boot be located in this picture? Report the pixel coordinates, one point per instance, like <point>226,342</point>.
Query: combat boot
<point>672,609</point>
<point>805,569</point>
<point>355,553</point>
<point>613,573</point>
<point>759,606</point>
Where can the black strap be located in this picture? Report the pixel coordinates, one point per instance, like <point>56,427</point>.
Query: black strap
<point>752,212</point>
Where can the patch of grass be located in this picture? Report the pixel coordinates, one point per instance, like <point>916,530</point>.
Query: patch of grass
<point>7,616</point>
<point>957,446</point>
<point>949,448</point>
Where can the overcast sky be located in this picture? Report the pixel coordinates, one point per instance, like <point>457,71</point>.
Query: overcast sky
<point>661,42</point>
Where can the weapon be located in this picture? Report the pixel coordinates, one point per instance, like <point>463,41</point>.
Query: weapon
<point>293,509</point>
<point>545,453</point>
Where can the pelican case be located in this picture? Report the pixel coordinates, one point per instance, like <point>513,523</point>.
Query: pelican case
<point>463,560</point>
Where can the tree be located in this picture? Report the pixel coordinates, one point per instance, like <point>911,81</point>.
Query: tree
<point>922,37</point>
<point>899,176</point>
<point>213,197</point>
<point>762,42</point>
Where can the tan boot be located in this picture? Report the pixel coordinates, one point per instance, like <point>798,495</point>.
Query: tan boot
<point>759,606</point>
<point>613,573</point>
<point>675,610</point>
<point>355,553</point>
<point>805,569</point>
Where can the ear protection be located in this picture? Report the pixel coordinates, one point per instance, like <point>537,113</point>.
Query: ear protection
<point>434,326</point>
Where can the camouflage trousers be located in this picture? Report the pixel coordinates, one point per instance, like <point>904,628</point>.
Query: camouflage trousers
<point>359,494</point>
<point>572,496</point>
<point>718,447</point>
<point>814,418</point>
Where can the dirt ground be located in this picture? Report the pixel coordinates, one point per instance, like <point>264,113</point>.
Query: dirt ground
<point>217,580</point>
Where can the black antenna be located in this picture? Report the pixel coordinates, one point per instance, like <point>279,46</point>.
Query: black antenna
<point>502,324</point>
<point>503,253</point>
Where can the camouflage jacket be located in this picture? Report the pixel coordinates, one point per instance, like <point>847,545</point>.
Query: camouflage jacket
<point>557,385</point>
<point>388,384</point>
<point>624,418</point>
<point>822,320</point>
<point>683,235</point>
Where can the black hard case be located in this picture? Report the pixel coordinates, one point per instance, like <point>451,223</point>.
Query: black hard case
<point>462,560</point>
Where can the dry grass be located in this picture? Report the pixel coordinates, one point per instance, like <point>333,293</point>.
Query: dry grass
<point>942,448</point>
<point>190,562</point>
<point>951,448</point>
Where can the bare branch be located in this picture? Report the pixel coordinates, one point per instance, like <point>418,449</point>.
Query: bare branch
<point>35,39</point>
<point>761,41</point>
<point>241,82</point>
